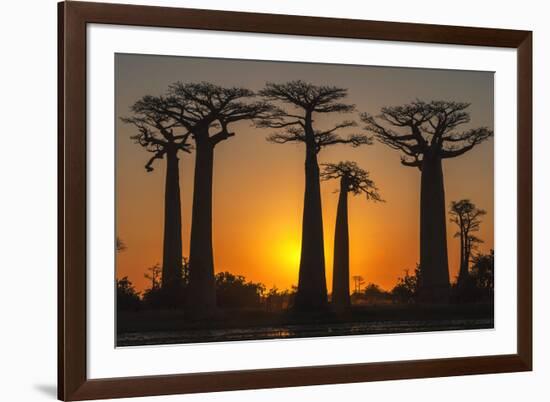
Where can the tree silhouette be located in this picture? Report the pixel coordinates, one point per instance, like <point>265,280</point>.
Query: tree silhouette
<point>467,217</point>
<point>154,275</point>
<point>407,288</point>
<point>234,291</point>
<point>163,136</point>
<point>127,298</point>
<point>353,180</point>
<point>483,273</point>
<point>426,133</point>
<point>201,108</point>
<point>305,101</point>
<point>374,294</point>
<point>158,298</point>
<point>358,281</point>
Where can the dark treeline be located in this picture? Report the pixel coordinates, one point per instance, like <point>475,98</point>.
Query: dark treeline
<point>198,117</point>
<point>235,292</point>
<point>232,292</point>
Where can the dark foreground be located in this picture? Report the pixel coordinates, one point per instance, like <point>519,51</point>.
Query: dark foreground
<point>173,327</point>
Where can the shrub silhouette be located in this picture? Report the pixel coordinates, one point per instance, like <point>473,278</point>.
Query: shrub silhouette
<point>127,299</point>
<point>483,271</point>
<point>157,297</point>
<point>407,288</point>
<point>233,292</point>
<point>373,294</point>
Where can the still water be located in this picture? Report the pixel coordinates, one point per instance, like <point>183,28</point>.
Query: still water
<point>297,331</point>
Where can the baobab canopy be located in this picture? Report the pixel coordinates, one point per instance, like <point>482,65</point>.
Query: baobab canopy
<point>421,128</point>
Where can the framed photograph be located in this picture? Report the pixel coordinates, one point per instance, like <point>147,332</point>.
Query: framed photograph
<point>253,200</point>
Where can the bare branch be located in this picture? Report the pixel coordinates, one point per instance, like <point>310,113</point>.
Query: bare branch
<point>464,142</point>
<point>200,106</point>
<point>156,128</point>
<point>414,161</point>
<point>292,134</point>
<point>158,155</point>
<point>425,127</point>
<point>222,135</point>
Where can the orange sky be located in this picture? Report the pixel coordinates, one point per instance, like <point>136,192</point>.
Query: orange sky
<point>258,186</point>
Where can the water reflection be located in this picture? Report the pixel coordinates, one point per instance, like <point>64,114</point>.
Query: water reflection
<point>297,331</point>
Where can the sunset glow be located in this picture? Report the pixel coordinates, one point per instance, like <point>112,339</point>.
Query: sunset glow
<point>258,188</point>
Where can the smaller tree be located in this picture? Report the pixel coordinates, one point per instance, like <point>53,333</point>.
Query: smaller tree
<point>353,180</point>
<point>358,281</point>
<point>157,296</point>
<point>154,275</point>
<point>483,274</point>
<point>467,217</point>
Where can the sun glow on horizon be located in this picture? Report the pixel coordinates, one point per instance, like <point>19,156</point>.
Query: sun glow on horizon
<point>289,254</point>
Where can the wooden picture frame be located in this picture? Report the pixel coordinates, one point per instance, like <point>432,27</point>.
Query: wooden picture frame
<point>73,382</point>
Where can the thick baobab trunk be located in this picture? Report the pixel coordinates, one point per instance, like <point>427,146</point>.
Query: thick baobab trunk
<point>312,286</point>
<point>434,267</point>
<point>464,258</point>
<point>340,276</point>
<point>202,290</point>
<point>171,254</point>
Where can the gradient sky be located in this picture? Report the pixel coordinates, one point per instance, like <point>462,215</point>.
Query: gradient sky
<point>258,186</point>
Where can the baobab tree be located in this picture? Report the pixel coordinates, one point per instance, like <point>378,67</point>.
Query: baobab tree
<point>467,217</point>
<point>426,133</point>
<point>205,111</point>
<point>297,122</point>
<point>353,180</point>
<point>163,136</point>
